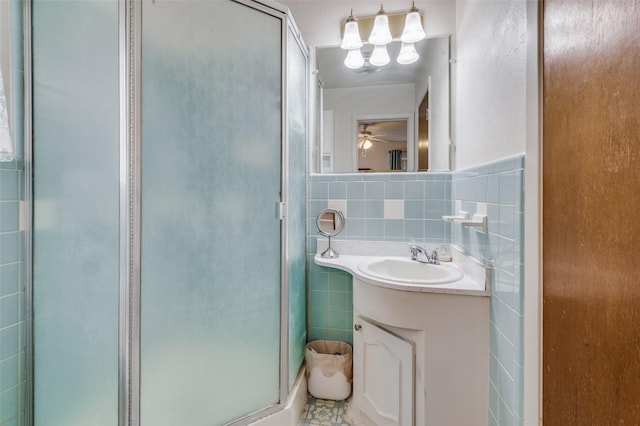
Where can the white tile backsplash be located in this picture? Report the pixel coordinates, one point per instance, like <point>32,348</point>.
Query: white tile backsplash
<point>394,209</point>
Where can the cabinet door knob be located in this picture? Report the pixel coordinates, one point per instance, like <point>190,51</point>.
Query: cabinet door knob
<point>357,327</point>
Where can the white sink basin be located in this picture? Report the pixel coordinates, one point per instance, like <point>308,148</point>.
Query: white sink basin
<point>409,271</point>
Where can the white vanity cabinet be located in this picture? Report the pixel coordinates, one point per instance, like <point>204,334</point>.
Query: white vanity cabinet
<point>383,375</point>
<point>421,338</point>
<point>420,358</point>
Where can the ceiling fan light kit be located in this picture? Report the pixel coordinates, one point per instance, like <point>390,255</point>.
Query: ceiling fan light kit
<point>366,139</point>
<point>384,29</point>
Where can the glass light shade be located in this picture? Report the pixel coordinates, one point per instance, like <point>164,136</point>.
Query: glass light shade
<point>408,54</point>
<point>354,59</point>
<point>380,34</point>
<point>413,30</point>
<point>379,56</point>
<point>366,144</point>
<point>351,39</point>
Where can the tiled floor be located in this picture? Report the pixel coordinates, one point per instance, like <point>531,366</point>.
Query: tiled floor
<point>325,412</point>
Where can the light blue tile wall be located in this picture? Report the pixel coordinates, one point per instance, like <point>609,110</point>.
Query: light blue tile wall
<point>12,356</point>
<point>377,207</point>
<point>500,186</point>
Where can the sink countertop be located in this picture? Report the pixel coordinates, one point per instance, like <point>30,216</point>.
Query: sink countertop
<point>476,280</point>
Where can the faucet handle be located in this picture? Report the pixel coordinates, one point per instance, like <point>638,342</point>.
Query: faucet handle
<point>414,251</point>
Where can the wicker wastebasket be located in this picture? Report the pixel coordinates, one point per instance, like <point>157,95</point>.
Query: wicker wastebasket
<point>329,369</point>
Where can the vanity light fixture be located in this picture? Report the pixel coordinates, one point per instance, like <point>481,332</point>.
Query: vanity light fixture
<point>351,39</point>
<point>413,31</point>
<point>380,34</point>
<point>408,54</point>
<point>385,28</point>
<point>379,56</point>
<point>354,59</point>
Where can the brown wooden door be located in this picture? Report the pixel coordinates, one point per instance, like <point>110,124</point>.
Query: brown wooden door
<point>591,225</point>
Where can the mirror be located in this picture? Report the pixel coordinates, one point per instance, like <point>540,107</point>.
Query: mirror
<point>418,93</point>
<point>330,223</point>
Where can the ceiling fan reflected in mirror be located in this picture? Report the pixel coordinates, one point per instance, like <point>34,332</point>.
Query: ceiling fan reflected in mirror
<point>390,132</point>
<point>366,140</point>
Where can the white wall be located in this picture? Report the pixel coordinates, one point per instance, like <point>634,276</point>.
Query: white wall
<point>349,103</point>
<point>490,81</point>
<point>439,126</point>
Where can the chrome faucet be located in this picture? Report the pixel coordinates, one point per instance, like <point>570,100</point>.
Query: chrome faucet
<point>416,251</point>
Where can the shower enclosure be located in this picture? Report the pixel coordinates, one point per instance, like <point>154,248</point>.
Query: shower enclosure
<point>168,283</point>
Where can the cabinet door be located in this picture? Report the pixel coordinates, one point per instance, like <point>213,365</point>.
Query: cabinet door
<point>383,375</point>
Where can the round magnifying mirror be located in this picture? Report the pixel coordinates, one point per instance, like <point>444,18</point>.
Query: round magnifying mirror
<point>330,223</point>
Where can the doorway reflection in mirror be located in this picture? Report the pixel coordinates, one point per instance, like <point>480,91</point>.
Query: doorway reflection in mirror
<point>382,145</point>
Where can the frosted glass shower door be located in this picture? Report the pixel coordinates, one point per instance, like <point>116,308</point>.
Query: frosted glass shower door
<point>211,239</point>
<point>76,218</point>
<point>297,131</point>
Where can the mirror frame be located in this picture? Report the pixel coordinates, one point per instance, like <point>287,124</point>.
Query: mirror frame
<point>411,137</point>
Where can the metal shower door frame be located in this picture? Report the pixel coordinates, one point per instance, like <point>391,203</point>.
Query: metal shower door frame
<point>129,56</point>
<point>130,48</point>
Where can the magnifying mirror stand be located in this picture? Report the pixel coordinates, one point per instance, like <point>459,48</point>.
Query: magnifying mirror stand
<point>330,223</point>
<point>329,253</point>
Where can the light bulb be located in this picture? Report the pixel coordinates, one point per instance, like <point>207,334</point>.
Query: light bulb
<point>413,31</point>
<point>408,54</point>
<point>351,39</point>
<point>366,144</point>
<point>379,56</point>
<point>380,33</point>
<point>354,59</point>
